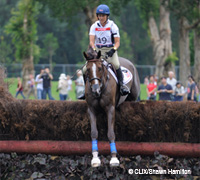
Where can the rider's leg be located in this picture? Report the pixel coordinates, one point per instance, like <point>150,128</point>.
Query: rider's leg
<point>124,90</point>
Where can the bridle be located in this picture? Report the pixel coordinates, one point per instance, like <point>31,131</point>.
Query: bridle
<point>97,78</point>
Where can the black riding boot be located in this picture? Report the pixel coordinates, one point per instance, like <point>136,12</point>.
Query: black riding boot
<point>124,90</point>
<point>82,96</point>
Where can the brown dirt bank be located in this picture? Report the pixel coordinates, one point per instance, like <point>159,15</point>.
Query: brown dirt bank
<point>135,121</point>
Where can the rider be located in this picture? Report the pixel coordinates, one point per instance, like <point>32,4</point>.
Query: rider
<point>104,36</point>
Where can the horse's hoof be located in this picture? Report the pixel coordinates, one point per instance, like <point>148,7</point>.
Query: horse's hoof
<point>95,162</point>
<point>114,162</point>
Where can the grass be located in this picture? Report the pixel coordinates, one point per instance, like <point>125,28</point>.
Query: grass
<point>12,82</point>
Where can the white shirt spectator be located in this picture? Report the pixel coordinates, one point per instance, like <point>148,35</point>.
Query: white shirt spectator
<point>63,86</point>
<point>180,90</point>
<point>69,81</point>
<point>80,87</point>
<point>172,82</point>
<point>39,82</point>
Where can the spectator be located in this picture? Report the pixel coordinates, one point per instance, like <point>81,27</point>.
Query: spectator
<point>146,80</point>
<point>198,87</point>
<point>171,81</point>
<point>165,90</point>
<point>47,77</point>
<point>191,89</point>
<point>80,85</point>
<point>179,92</point>
<point>69,81</point>
<point>19,88</point>
<point>63,87</point>
<point>39,82</point>
<point>31,86</point>
<point>151,88</point>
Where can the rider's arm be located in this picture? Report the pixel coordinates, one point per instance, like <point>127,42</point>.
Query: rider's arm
<point>117,43</point>
<point>92,41</point>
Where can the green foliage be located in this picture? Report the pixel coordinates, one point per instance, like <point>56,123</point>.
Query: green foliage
<point>64,10</point>
<point>23,29</point>
<point>5,51</point>
<point>186,8</point>
<point>138,39</point>
<point>147,8</point>
<point>125,49</point>
<point>172,58</point>
<point>50,45</point>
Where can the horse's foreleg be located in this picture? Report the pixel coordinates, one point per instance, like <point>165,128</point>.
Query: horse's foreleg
<point>111,135</point>
<point>94,135</point>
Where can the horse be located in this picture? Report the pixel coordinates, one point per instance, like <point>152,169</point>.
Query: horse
<point>102,92</point>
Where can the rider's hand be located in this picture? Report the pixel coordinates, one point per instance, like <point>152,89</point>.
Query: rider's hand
<point>110,53</point>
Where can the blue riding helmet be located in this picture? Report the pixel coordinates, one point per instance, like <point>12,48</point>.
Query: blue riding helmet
<point>103,9</point>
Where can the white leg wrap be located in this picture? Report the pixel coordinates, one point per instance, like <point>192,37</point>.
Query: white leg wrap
<point>95,160</point>
<point>114,162</point>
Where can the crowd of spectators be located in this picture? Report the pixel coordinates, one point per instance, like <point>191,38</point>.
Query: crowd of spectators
<point>170,89</point>
<point>41,86</point>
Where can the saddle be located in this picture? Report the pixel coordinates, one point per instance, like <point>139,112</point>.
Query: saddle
<point>126,73</point>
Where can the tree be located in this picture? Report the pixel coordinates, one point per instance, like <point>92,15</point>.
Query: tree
<point>185,11</point>
<point>23,30</point>
<point>150,11</point>
<point>5,51</point>
<point>64,10</point>
<point>50,45</point>
<point>197,55</point>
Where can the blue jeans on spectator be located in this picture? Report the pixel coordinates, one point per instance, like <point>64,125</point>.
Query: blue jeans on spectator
<point>45,92</point>
<point>20,92</point>
<point>63,97</point>
<point>39,93</point>
<point>178,98</point>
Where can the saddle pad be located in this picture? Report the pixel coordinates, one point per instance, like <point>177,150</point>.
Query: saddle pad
<point>126,73</point>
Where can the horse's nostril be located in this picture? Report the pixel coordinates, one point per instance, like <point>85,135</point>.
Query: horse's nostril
<point>96,90</point>
<point>95,87</point>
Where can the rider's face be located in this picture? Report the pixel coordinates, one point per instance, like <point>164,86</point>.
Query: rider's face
<point>102,18</point>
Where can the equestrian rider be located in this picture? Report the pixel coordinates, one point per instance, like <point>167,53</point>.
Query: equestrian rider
<point>104,36</point>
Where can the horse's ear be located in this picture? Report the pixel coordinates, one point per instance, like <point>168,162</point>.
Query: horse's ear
<point>98,54</point>
<point>85,55</point>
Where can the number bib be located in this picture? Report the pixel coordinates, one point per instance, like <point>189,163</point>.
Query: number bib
<point>103,36</point>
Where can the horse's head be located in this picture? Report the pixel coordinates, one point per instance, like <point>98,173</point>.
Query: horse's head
<point>94,71</point>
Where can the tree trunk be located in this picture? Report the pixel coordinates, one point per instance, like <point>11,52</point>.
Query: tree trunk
<point>165,35</point>
<point>184,50</point>
<point>90,15</point>
<point>158,46</point>
<point>27,69</point>
<point>162,44</point>
<point>197,55</point>
<point>27,61</point>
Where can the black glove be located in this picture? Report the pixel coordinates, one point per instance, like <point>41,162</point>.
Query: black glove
<point>110,53</point>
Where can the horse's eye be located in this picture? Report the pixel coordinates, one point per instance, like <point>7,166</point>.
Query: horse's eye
<point>100,68</point>
<point>88,69</point>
